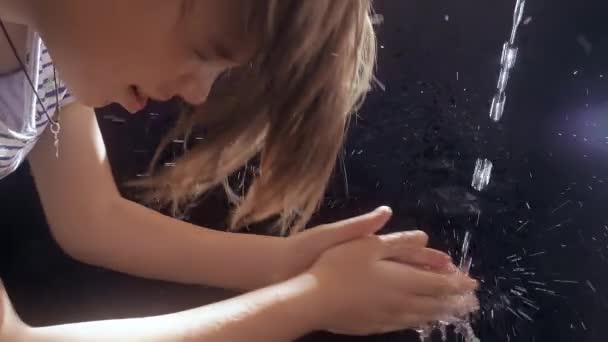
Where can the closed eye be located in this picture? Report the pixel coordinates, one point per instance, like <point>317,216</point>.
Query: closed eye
<point>217,50</point>
<point>202,56</point>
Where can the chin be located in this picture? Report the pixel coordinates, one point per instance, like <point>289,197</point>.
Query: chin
<point>94,103</point>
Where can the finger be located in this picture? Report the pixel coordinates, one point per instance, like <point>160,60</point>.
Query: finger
<point>411,321</point>
<point>441,285</point>
<point>396,244</point>
<point>429,306</point>
<point>424,283</point>
<point>441,307</point>
<point>427,258</point>
<point>353,228</point>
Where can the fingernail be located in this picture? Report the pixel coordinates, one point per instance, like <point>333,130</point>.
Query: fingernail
<point>472,284</point>
<point>467,283</point>
<point>384,209</point>
<point>451,267</point>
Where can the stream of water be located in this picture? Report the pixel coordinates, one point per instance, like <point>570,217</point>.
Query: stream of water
<point>481,178</point>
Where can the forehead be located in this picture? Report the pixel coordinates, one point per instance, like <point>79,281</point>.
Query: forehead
<point>218,25</point>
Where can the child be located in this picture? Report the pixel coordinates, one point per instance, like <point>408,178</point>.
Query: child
<point>295,70</point>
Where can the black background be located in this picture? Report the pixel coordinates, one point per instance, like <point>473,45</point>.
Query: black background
<point>414,147</point>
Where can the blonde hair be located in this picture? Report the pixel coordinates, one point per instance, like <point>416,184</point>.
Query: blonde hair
<point>290,106</point>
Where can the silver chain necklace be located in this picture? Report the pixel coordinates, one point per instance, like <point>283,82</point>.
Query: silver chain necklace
<point>54,124</point>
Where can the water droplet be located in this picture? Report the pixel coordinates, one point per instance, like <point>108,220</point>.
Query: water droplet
<point>482,174</point>
<point>584,43</point>
<point>498,106</point>
<point>517,16</point>
<point>503,78</point>
<point>509,56</point>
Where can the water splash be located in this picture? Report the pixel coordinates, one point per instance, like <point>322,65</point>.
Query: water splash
<point>462,325</point>
<point>482,174</point>
<point>507,62</point>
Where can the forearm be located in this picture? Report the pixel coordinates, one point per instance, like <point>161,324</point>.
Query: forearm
<point>131,238</point>
<point>279,313</point>
<point>91,222</point>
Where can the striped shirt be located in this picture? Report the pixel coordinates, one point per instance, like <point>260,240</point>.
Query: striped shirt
<point>22,119</point>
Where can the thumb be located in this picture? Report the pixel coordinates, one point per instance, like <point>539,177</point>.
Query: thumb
<point>356,227</point>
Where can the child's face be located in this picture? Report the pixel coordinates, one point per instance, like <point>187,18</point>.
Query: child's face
<point>129,51</point>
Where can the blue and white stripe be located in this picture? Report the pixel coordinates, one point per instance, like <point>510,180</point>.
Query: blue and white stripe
<point>22,128</point>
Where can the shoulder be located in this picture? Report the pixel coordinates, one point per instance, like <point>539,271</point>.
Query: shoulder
<point>19,37</point>
<point>25,108</point>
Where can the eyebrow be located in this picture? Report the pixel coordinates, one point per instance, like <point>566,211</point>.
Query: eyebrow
<point>223,49</point>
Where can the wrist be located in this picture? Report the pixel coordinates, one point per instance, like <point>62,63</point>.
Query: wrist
<point>308,303</point>
<point>281,265</point>
<point>299,253</point>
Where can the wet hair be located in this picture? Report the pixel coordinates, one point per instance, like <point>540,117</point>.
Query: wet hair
<point>289,106</point>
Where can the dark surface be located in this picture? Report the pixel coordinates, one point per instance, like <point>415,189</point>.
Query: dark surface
<point>414,147</point>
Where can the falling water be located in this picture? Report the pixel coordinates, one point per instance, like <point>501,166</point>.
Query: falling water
<point>507,62</point>
<point>465,259</point>
<point>462,326</point>
<point>481,177</point>
<point>483,167</point>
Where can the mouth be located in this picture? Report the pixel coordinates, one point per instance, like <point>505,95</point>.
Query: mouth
<point>140,99</point>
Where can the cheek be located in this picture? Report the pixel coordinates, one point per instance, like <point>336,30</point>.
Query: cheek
<point>100,73</point>
<point>99,64</point>
<point>88,79</point>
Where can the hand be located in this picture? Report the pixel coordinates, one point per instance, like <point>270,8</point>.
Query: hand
<point>370,285</point>
<point>303,249</point>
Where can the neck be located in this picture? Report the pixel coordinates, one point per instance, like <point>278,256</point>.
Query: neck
<point>18,11</point>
